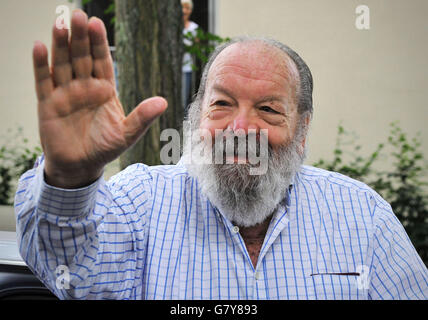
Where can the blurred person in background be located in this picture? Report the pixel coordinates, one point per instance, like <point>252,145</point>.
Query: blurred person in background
<point>187,72</point>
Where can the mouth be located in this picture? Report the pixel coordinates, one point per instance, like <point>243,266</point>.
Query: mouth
<point>235,159</point>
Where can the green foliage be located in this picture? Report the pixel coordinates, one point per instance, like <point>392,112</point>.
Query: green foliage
<point>15,158</point>
<point>202,45</point>
<point>358,168</point>
<point>402,186</point>
<point>109,11</point>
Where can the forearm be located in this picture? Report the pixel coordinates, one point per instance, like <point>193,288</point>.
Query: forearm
<point>73,229</point>
<point>55,227</point>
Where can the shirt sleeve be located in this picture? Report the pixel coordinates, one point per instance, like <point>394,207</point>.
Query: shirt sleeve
<point>82,243</point>
<point>397,270</point>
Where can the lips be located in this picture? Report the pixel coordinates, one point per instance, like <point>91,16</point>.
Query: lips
<point>240,151</point>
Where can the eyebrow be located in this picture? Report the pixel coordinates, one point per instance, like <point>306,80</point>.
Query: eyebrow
<point>273,98</point>
<point>268,98</point>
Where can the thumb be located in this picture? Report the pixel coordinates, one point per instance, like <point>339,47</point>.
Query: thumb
<point>140,119</point>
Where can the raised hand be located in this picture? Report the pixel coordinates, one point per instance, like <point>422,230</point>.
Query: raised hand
<point>81,120</point>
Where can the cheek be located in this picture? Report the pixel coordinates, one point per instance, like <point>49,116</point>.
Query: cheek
<point>278,137</point>
<point>212,125</point>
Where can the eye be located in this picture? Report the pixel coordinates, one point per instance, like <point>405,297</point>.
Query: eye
<point>268,109</point>
<point>221,103</point>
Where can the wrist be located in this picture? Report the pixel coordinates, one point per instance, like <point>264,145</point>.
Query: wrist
<point>71,179</point>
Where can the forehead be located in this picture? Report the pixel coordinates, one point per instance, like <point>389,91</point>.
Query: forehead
<point>254,60</point>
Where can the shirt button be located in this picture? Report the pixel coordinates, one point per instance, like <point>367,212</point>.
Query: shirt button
<point>258,276</point>
<point>235,229</point>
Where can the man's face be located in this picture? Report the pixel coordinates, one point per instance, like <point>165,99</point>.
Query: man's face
<point>250,86</point>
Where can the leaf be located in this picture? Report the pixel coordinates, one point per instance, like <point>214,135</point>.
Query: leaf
<point>110,9</point>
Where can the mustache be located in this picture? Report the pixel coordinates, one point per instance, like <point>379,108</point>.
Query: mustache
<point>251,145</point>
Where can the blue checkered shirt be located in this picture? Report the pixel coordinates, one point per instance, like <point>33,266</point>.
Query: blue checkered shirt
<point>149,233</point>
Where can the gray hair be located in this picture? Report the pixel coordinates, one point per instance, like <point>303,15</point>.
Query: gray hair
<point>305,87</point>
<point>189,2</point>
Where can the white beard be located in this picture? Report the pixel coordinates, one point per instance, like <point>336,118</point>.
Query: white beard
<point>247,200</point>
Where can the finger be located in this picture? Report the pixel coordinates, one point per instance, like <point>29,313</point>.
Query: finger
<point>62,71</point>
<point>42,76</point>
<point>80,48</point>
<point>102,61</point>
<point>140,119</point>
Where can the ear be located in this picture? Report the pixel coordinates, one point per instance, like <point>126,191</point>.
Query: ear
<point>307,120</point>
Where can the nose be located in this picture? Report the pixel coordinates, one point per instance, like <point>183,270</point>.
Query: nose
<point>243,122</point>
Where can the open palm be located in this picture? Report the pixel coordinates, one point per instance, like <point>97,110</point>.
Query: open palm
<point>81,120</point>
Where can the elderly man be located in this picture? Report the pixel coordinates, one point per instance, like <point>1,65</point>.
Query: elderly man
<point>198,231</point>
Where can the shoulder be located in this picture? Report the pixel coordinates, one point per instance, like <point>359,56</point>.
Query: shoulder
<point>338,186</point>
<point>313,174</point>
<point>193,26</point>
<point>143,182</point>
<point>144,172</point>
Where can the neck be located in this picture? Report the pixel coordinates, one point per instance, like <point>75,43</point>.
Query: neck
<point>257,232</point>
<point>254,238</point>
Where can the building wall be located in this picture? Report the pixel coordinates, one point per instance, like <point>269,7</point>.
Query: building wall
<point>21,23</point>
<point>364,79</point>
